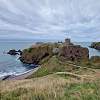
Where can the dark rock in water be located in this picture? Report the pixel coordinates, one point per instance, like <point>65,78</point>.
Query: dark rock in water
<point>95,45</point>
<point>20,52</point>
<point>14,52</point>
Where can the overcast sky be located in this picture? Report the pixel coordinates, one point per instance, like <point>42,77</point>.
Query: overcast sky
<point>51,19</point>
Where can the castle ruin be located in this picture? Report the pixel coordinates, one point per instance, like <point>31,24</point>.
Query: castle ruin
<point>74,52</point>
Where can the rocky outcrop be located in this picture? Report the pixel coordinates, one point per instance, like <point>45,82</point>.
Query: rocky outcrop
<point>14,52</point>
<point>69,51</point>
<point>74,53</point>
<point>95,45</point>
<point>36,53</point>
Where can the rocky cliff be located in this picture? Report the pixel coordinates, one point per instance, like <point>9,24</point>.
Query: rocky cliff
<point>36,53</point>
<point>39,52</point>
<point>95,45</point>
<point>74,53</point>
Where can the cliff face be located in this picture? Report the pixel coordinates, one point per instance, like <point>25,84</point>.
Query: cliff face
<point>74,53</point>
<point>95,45</point>
<point>36,53</point>
<point>39,52</point>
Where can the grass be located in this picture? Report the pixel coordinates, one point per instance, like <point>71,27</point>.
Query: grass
<point>51,66</point>
<point>44,88</point>
<point>90,64</point>
<point>83,91</point>
<point>51,88</point>
<point>46,85</point>
<point>97,43</point>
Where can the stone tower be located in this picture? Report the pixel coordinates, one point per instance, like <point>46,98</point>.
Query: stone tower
<point>67,42</point>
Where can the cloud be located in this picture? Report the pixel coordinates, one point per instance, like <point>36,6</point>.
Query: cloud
<point>53,19</point>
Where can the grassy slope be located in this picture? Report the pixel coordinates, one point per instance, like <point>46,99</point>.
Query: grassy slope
<point>55,65</point>
<point>51,66</point>
<point>49,86</point>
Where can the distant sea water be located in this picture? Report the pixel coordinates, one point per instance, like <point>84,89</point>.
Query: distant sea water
<point>11,65</point>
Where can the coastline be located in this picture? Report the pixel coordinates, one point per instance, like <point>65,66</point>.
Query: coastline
<point>92,52</point>
<point>20,76</point>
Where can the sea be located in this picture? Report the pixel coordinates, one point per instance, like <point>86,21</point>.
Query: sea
<point>11,65</point>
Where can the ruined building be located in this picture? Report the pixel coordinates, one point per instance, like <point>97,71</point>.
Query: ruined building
<point>67,42</point>
<point>74,52</point>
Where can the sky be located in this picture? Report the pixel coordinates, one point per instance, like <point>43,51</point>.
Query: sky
<point>50,19</point>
